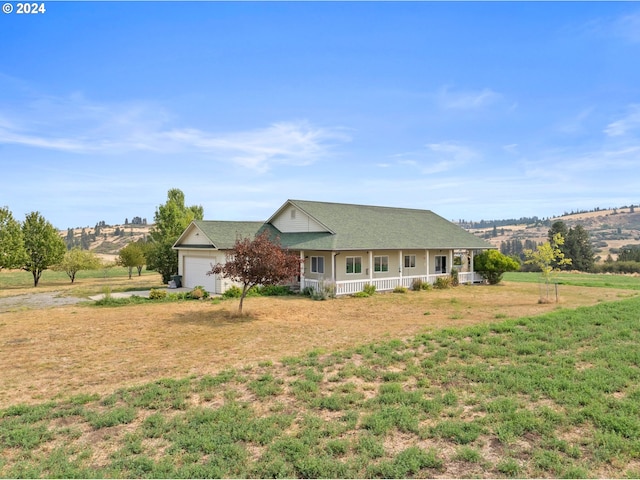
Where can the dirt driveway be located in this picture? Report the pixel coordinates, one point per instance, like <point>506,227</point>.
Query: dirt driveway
<point>48,353</point>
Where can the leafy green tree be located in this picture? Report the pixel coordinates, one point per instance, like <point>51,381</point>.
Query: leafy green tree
<point>12,252</point>
<point>492,265</point>
<point>75,260</point>
<point>260,261</point>
<point>548,258</point>
<point>43,245</point>
<point>132,256</point>
<point>170,219</point>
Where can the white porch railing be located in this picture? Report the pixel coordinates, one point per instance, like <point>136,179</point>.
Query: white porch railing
<point>349,287</point>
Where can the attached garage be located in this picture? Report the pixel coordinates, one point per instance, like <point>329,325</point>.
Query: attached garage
<point>195,273</point>
<point>204,244</point>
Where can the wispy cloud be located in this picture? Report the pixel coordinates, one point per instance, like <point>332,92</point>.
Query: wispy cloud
<point>466,100</point>
<point>625,27</point>
<point>627,124</point>
<point>288,143</point>
<point>447,156</point>
<point>628,27</point>
<point>575,124</point>
<point>75,125</point>
<point>437,157</point>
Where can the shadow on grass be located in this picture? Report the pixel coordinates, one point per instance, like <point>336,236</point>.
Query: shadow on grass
<point>214,318</point>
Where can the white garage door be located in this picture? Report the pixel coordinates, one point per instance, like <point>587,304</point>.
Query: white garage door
<point>195,273</point>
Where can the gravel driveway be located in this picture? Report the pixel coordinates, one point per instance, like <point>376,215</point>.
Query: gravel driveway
<point>36,300</point>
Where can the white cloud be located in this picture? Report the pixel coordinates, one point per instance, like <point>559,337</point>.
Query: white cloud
<point>575,124</point>
<point>447,156</point>
<point>285,143</point>
<point>466,100</point>
<point>626,124</point>
<point>437,157</point>
<point>75,125</point>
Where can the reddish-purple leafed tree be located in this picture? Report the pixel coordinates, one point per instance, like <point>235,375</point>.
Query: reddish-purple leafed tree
<point>260,261</point>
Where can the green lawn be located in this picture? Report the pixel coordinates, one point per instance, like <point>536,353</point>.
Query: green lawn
<point>87,282</point>
<point>551,396</point>
<point>580,279</point>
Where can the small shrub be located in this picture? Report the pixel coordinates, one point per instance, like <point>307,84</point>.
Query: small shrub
<point>361,295</point>
<point>275,290</point>
<point>157,294</point>
<point>418,285</point>
<point>232,292</point>
<point>199,293</point>
<point>325,290</point>
<point>106,290</point>
<point>442,283</point>
<point>400,289</point>
<point>369,289</point>
<point>455,281</point>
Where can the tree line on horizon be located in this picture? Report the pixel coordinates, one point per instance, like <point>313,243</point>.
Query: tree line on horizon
<point>534,220</point>
<point>35,245</point>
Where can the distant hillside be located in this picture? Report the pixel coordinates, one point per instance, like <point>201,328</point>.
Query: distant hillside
<point>609,230</point>
<point>108,239</point>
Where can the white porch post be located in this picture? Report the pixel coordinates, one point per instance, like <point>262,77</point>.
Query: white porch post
<point>427,265</point>
<point>301,270</point>
<point>473,275</point>
<point>400,272</point>
<point>371,265</point>
<point>333,266</point>
<point>450,261</point>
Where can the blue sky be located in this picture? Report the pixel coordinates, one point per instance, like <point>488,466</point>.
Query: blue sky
<point>473,110</point>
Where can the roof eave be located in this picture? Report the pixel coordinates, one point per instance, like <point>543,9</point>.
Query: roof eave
<point>293,202</point>
<point>177,245</point>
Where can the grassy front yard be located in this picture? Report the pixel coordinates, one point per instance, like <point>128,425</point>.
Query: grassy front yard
<point>469,382</point>
<point>551,396</point>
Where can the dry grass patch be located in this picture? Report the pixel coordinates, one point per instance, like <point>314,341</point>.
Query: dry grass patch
<point>58,352</point>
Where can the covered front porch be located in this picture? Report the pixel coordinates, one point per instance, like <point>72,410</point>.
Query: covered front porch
<point>346,273</point>
<point>349,287</point>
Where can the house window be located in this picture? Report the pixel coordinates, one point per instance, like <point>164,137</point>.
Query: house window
<point>354,264</point>
<point>441,264</point>
<point>317,264</point>
<point>293,214</point>
<point>409,261</point>
<point>381,264</point>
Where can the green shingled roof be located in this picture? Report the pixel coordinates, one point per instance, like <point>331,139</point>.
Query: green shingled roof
<point>369,227</point>
<point>223,234</point>
<point>356,227</point>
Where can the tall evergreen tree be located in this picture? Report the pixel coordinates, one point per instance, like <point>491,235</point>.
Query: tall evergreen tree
<point>577,247</point>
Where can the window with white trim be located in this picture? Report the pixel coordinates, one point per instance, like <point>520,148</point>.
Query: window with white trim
<point>381,264</point>
<point>441,264</point>
<point>409,261</point>
<point>354,264</point>
<point>317,264</point>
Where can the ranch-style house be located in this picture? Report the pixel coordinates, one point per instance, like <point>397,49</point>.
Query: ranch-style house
<point>346,246</point>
